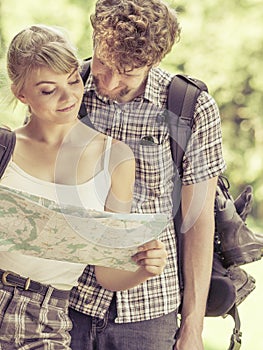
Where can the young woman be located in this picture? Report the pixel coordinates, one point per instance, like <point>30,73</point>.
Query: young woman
<point>59,158</point>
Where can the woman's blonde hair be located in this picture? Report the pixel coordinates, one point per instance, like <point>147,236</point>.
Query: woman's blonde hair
<point>37,46</point>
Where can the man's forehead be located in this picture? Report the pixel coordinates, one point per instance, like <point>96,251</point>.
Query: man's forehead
<point>113,64</point>
<point>114,60</point>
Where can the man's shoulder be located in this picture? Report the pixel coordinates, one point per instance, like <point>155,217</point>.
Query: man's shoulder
<point>163,76</point>
<point>157,85</point>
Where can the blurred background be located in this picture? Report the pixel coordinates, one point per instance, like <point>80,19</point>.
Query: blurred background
<point>222,44</point>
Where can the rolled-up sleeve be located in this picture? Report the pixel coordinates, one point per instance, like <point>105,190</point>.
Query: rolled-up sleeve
<point>203,158</point>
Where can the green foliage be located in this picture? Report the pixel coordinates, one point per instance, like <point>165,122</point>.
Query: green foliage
<point>72,15</point>
<point>221,43</point>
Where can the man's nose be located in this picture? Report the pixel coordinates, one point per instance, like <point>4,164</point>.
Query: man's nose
<point>112,80</point>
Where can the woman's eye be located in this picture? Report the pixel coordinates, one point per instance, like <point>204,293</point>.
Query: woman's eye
<point>75,81</point>
<point>48,92</point>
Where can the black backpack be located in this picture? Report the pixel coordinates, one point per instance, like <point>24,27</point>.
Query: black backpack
<point>7,145</point>
<point>229,285</point>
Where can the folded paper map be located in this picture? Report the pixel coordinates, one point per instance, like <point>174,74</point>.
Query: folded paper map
<point>38,227</point>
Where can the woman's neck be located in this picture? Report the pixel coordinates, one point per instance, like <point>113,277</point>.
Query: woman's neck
<point>47,132</point>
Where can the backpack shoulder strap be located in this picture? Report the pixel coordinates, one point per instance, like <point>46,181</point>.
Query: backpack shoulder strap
<point>84,73</point>
<point>7,145</point>
<point>183,93</point>
<point>182,96</point>
<point>181,100</point>
<point>85,69</point>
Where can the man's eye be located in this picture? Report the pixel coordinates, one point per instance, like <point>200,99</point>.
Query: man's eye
<point>101,62</point>
<point>48,92</point>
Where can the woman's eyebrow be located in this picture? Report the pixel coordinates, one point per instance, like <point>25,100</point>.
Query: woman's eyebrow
<point>45,82</point>
<point>53,82</point>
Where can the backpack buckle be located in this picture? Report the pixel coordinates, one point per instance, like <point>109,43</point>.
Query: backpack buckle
<point>235,343</point>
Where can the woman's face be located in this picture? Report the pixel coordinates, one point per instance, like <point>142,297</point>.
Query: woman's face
<point>53,97</point>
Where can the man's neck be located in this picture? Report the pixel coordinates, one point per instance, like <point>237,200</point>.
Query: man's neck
<point>131,95</point>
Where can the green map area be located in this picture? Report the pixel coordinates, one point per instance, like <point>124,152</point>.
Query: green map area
<point>39,227</point>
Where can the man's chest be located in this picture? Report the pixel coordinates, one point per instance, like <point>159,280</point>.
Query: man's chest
<point>144,129</point>
<point>135,123</point>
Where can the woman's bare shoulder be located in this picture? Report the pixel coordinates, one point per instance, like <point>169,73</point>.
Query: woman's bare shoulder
<point>121,148</point>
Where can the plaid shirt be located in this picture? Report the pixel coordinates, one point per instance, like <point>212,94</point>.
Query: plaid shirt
<point>141,124</point>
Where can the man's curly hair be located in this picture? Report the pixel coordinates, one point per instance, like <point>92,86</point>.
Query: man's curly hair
<point>133,33</point>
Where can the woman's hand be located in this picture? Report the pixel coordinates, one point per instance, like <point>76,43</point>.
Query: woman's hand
<point>151,258</point>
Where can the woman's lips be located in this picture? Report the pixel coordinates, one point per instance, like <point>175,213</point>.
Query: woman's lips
<point>67,109</point>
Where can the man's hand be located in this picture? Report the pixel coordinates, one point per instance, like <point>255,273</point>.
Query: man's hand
<point>189,338</point>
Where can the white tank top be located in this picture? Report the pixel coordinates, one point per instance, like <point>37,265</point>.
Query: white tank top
<point>90,195</point>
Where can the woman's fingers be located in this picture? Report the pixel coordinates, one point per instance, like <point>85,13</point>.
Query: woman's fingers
<point>152,257</point>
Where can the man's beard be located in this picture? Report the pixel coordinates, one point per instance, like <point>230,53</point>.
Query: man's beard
<point>114,96</point>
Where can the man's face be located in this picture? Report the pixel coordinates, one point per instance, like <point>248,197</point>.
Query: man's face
<point>120,87</point>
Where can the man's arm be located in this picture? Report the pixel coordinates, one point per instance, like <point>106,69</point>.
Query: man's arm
<point>198,238</point>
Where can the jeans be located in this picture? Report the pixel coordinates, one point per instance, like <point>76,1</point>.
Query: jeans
<point>90,333</point>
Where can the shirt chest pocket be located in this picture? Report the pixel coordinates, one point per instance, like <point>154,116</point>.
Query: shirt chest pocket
<point>153,169</point>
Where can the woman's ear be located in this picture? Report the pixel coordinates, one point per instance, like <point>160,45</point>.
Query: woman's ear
<point>18,94</point>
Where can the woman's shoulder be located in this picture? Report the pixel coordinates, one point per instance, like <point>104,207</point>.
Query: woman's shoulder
<point>121,149</point>
<point>122,161</point>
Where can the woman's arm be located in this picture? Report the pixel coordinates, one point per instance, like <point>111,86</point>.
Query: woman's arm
<point>122,170</point>
<point>151,257</point>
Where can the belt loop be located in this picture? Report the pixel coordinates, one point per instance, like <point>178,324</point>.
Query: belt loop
<point>47,297</point>
<point>27,283</point>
